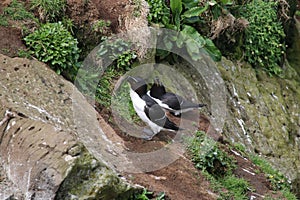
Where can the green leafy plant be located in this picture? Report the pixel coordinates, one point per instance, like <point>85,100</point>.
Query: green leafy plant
<point>68,24</point>
<point>123,104</point>
<point>49,10</point>
<point>104,87</point>
<point>159,12</point>
<point>237,187</point>
<point>147,195</point>
<point>24,53</point>
<point>207,156</point>
<point>183,14</point>
<point>143,195</point>
<point>118,57</point>
<point>229,186</point>
<point>54,45</point>
<point>3,21</point>
<point>101,26</point>
<point>278,180</point>
<point>17,11</point>
<point>119,51</point>
<point>264,45</point>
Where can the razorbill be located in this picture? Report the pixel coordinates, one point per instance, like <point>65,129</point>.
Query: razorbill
<point>148,109</point>
<point>170,101</point>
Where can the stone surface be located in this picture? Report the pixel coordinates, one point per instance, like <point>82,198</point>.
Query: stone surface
<point>264,114</point>
<point>44,143</point>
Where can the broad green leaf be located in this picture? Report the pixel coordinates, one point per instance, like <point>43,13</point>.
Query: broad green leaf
<point>227,2</point>
<point>212,50</point>
<point>188,4</point>
<point>191,20</point>
<point>195,12</point>
<point>180,41</point>
<point>193,49</point>
<point>168,44</point>
<point>191,32</point>
<point>176,8</point>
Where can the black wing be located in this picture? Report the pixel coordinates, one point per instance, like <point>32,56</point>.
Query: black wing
<point>171,100</point>
<point>149,101</point>
<point>157,115</point>
<point>177,102</point>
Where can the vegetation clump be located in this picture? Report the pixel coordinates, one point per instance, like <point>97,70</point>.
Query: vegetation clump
<point>217,166</point>
<point>54,45</point>
<point>117,58</point>
<point>207,156</point>
<point>49,11</point>
<point>264,45</point>
<point>277,179</point>
<point>182,16</point>
<point>17,11</point>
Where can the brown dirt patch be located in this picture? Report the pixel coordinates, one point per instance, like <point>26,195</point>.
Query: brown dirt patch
<point>112,11</point>
<point>10,41</point>
<point>181,180</point>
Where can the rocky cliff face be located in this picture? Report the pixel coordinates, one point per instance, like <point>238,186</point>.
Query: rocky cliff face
<point>39,146</point>
<point>264,114</point>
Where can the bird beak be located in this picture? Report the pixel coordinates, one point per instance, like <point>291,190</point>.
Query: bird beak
<point>157,81</point>
<point>129,79</point>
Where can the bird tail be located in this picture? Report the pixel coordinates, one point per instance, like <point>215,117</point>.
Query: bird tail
<point>171,125</point>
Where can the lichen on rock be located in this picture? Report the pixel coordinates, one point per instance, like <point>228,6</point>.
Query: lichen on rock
<point>263,114</point>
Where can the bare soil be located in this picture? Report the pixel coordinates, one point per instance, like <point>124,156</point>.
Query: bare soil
<point>180,180</point>
<point>10,41</point>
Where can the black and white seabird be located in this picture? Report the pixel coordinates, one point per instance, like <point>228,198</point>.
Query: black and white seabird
<point>170,101</point>
<point>148,109</point>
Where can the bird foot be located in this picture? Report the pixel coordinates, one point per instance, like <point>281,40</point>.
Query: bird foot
<point>148,134</point>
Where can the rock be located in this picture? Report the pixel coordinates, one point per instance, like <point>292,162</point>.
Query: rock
<point>263,114</point>
<point>47,134</point>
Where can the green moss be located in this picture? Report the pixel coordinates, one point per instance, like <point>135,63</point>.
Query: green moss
<point>89,179</point>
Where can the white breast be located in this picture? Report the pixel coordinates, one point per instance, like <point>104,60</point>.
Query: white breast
<point>138,105</point>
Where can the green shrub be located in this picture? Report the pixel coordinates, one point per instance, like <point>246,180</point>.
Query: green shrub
<point>237,187</point>
<point>118,57</point>
<point>278,180</point>
<point>49,10</point>
<point>17,11</point>
<point>54,45</point>
<point>185,15</point>
<point>264,45</point>
<point>159,12</point>
<point>3,21</point>
<point>207,156</point>
<point>229,186</point>
<point>147,195</point>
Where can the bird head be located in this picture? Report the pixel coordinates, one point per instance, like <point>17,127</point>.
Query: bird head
<point>137,84</point>
<point>157,89</point>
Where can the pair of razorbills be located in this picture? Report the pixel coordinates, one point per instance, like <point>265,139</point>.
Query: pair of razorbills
<point>150,105</point>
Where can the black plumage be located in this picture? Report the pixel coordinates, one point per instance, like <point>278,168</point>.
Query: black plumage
<point>147,108</point>
<point>171,101</point>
